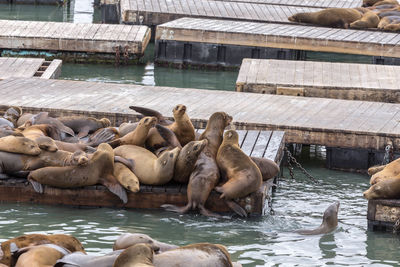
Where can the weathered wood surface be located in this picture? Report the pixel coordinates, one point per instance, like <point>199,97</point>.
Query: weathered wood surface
<point>307,3</point>
<point>155,12</point>
<point>297,37</point>
<point>320,79</point>
<point>29,67</point>
<point>383,213</point>
<point>322,121</point>
<point>255,143</point>
<point>73,37</point>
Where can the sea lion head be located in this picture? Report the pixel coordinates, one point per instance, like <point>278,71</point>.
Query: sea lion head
<point>128,239</point>
<point>169,157</point>
<point>136,255</point>
<point>179,110</point>
<point>79,158</point>
<point>231,137</point>
<point>192,150</point>
<point>148,122</point>
<point>30,146</point>
<point>46,143</point>
<point>331,214</point>
<point>220,118</point>
<point>105,122</point>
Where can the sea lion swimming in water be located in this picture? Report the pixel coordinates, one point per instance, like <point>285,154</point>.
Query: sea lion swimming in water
<point>329,221</point>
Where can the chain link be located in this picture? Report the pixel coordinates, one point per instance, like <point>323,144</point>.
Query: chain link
<point>117,55</point>
<point>126,54</point>
<point>396,226</point>
<point>291,159</point>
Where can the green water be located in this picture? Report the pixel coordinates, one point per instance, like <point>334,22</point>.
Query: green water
<point>264,241</point>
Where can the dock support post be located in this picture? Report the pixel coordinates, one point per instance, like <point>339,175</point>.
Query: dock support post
<point>110,11</point>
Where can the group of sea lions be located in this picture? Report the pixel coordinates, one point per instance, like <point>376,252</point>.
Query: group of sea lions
<point>129,250</point>
<point>76,151</point>
<point>380,14</point>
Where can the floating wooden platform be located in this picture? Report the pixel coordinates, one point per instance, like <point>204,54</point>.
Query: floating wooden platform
<point>305,120</point>
<point>382,214</point>
<point>33,2</point>
<point>74,42</point>
<point>29,67</point>
<point>155,12</point>
<point>265,144</point>
<point>194,41</point>
<point>307,3</point>
<point>320,79</point>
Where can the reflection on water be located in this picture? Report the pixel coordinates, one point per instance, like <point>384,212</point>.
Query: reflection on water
<point>259,241</point>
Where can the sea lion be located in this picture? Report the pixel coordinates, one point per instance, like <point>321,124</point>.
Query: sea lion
<point>147,112</point>
<point>127,127</point>
<point>43,118</point>
<point>391,170</point>
<point>330,17</point>
<point>39,256</point>
<point>126,177</point>
<point>103,135</point>
<point>329,221</point>
<point>392,27</point>
<point>72,147</point>
<point>367,3</point>
<point>138,136</point>
<point>242,174</point>
<point>38,130</point>
<point>7,130</point>
<point>268,168</point>
<point>24,118</point>
<point>12,114</point>
<point>368,20</point>
<point>46,143</point>
<point>387,188</point>
<point>99,170</point>
<point>126,240</point>
<point>66,241</point>
<point>199,255</point>
<point>375,169</point>
<point>205,175</point>
<point>139,255</point>
<point>21,145</point>
<point>83,126</point>
<point>148,168</point>
<point>385,21</point>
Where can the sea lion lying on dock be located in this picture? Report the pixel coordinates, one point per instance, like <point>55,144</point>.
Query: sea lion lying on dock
<point>21,145</point>
<point>391,170</point>
<point>329,221</point>
<point>82,126</point>
<point>66,241</point>
<point>368,20</point>
<point>368,3</point>
<point>44,118</point>
<point>387,188</point>
<point>11,115</point>
<point>241,174</point>
<point>139,255</point>
<point>330,17</point>
<point>39,256</point>
<point>99,170</point>
<point>268,168</point>
<point>205,175</point>
<point>126,240</point>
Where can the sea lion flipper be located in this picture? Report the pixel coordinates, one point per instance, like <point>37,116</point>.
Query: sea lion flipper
<point>169,136</point>
<point>177,209</point>
<point>115,143</point>
<point>84,132</point>
<point>148,112</point>
<point>36,186</point>
<point>117,189</point>
<point>130,163</point>
<point>236,208</point>
<point>208,213</point>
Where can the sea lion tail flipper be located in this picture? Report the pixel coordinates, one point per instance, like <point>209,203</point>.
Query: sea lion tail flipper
<point>169,136</point>
<point>148,112</point>
<point>207,212</point>
<point>117,189</point>
<point>36,185</point>
<point>66,129</point>
<point>103,136</point>
<point>84,132</point>
<point>177,209</point>
<point>236,208</point>
<point>130,163</point>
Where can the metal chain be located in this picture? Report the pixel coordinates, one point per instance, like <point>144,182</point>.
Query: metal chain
<point>396,226</point>
<point>117,55</point>
<point>388,157</point>
<point>291,159</point>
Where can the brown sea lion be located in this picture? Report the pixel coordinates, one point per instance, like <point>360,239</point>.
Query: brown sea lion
<point>367,3</point>
<point>83,126</point>
<point>329,221</point>
<point>391,170</point>
<point>375,169</point>
<point>7,130</point>
<point>138,136</point>
<point>152,113</point>
<point>103,135</point>
<point>148,168</point>
<point>205,175</point>
<point>12,114</point>
<point>126,177</point>
<point>24,118</point>
<point>127,127</point>
<point>126,240</point>
<point>269,169</point>
<point>199,255</point>
<point>83,260</point>
<point>330,17</point>
<point>38,130</point>
<point>66,241</point>
<point>72,147</point>
<point>44,118</point>
<point>46,143</point>
<point>99,170</point>
<point>387,188</point>
<point>392,27</point>
<point>39,256</point>
<point>368,20</point>
<point>21,145</point>
<point>385,21</point>
<point>241,173</point>
<point>139,255</point>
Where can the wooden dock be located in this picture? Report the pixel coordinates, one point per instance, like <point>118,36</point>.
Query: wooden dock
<point>305,120</point>
<point>75,42</point>
<point>265,144</point>
<point>29,67</point>
<point>320,79</point>
<point>383,214</point>
<point>155,12</point>
<point>195,41</point>
<point>302,3</point>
